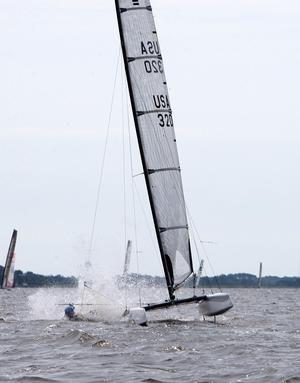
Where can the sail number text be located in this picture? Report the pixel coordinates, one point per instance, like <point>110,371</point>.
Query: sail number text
<point>153,66</point>
<point>165,119</point>
<point>161,101</point>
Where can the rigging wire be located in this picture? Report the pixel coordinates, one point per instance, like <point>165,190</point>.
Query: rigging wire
<point>125,276</point>
<point>193,225</point>
<point>133,193</point>
<point>88,262</point>
<point>124,160</point>
<point>103,159</point>
<point>203,267</point>
<point>146,220</point>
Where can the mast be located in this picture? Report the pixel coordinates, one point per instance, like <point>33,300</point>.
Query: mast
<point>8,272</point>
<point>156,139</point>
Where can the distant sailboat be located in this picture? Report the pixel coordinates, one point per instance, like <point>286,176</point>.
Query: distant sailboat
<point>9,268</point>
<point>153,120</point>
<point>127,257</point>
<point>259,275</point>
<point>199,274</point>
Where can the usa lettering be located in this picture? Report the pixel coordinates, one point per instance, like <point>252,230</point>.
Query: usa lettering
<point>161,101</point>
<point>150,48</point>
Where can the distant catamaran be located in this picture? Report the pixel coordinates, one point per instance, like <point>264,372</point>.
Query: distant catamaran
<point>153,119</point>
<point>9,268</point>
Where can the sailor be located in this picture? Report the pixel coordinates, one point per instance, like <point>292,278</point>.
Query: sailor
<point>70,312</point>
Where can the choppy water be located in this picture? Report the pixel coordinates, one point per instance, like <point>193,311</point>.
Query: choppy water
<point>257,341</point>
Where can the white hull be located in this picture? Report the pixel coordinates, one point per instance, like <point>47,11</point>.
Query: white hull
<point>215,304</point>
<point>209,305</point>
<point>137,315</point>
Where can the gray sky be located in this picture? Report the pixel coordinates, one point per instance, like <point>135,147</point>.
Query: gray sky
<point>233,74</point>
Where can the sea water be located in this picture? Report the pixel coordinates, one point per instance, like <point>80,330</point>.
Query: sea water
<point>257,341</point>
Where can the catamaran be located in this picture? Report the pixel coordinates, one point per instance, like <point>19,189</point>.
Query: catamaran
<point>9,268</point>
<point>153,121</point>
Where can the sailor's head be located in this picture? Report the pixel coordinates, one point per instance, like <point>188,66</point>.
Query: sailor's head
<point>70,311</point>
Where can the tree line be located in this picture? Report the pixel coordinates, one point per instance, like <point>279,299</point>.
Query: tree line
<point>239,280</point>
<point>30,279</point>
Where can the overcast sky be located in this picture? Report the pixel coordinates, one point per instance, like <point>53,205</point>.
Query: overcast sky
<point>233,74</point>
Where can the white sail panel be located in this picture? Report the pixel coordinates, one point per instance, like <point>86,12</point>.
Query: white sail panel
<point>154,124</point>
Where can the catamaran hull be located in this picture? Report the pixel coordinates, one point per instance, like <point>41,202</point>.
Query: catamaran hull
<point>215,304</point>
<point>137,315</point>
<point>208,305</point>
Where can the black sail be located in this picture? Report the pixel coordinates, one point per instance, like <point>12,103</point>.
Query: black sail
<point>154,126</point>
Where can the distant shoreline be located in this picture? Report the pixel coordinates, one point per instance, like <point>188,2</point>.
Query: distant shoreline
<point>238,280</point>
<point>30,279</point>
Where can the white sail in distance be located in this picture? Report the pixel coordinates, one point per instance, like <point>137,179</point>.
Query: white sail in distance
<point>127,257</point>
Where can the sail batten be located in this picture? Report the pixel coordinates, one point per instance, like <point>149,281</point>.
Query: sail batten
<point>148,8</point>
<point>151,171</point>
<point>140,113</point>
<point>153,119</point>
<point>162,229</point>
<point>130,59</point>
